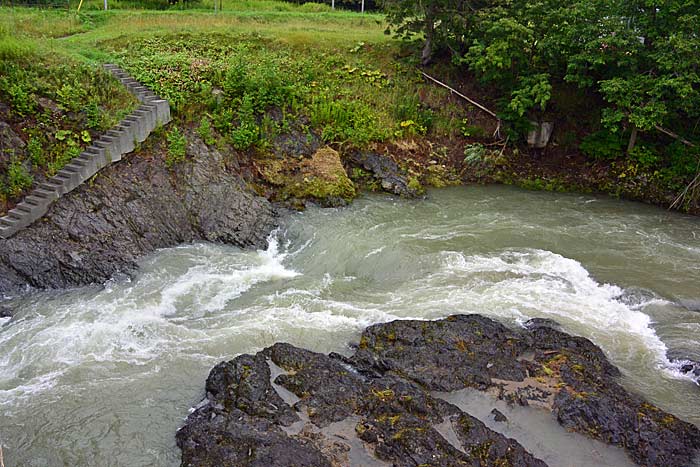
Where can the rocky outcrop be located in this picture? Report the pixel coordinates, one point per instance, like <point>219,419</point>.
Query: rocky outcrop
<point>131,209</point>
<point>287,406</point>
<point>320,178</point>
<point>384,172</point>
<point>108,149</point>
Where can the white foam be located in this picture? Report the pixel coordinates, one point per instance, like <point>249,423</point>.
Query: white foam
<point>530,283</point>
<point>130,322</point>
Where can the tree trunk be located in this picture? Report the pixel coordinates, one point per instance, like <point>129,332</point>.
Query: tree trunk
<point>427,54</point>
<point>633,139</point>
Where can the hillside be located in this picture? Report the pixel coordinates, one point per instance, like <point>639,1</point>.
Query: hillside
<point>268,83</point>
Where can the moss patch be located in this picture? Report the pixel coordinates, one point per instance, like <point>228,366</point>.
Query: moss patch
<point>322,178</point>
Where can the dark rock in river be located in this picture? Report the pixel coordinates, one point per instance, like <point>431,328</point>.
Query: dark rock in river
<point>288,406</point>
<point>689,368</point>
<point>5,312</point>
<point>131,209</point>
<point>331,415</point>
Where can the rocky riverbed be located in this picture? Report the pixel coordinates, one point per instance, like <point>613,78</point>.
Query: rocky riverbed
<point>385,404</point>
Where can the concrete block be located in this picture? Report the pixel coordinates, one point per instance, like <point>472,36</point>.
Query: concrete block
<point>33,212</point>
<point>163,111</point>
<point>139,127</point>
<point>90,162</point>
<point>53,186</point>
<point>30,207</point>
<point>111,148</point>
<point>81,168</point>
<point>147,117</point>
<point>46,194</point>
<point>40,205</point>
<point>132,132</point>
<point>6,232</point>
<point>126,141</point>
<point>8,222</point>
<point>21,218</point>
<point>539,136</point>
<point>99,155</point>
<point>71,179</point>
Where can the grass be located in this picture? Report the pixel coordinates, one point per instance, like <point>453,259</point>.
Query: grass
<point>53,101</point>
<point>254,71</point>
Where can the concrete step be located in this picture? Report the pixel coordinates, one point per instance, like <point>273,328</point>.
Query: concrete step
<point>6,232</point>
<point>46,194</point>
<point>8,222</point>
<point>17,214</point>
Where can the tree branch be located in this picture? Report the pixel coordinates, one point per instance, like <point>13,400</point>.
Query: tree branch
<point>471,101</point>
<point>674,135</point>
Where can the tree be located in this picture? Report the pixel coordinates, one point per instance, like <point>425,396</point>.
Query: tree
<point>641,56</point>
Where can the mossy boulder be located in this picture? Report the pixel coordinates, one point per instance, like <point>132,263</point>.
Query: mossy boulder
<point>321,178</point>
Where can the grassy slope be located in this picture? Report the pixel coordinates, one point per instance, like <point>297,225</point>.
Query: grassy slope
<point>306,69</point>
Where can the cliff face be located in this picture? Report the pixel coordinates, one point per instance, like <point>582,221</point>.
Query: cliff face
<point>129,210</point>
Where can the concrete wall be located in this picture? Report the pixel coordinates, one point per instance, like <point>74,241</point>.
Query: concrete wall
<point>108,149</point>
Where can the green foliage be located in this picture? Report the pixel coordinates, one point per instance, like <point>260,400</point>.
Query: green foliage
<point>71,96</point>
<point>94,117</point>
<point>474,153</point>
<point>640,56</point>
<point>346,121</point>
<point>177,146</point>
<point>18,178</point>
<point>205,131</point>
<point>645,157</point>
<point>471,131</point>
<point>532,91</point>
<point>603,144</point>
<point>35,151</point>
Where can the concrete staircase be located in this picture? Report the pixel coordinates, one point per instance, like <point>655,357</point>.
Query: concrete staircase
<point>108,149</point>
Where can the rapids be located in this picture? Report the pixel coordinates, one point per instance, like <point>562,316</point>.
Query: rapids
<point>104,375</point>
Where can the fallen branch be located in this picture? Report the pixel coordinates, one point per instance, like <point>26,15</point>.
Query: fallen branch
<point>471,101</point>
<point>2,463</point>
<point>691,187</point>
<point>674,135</point>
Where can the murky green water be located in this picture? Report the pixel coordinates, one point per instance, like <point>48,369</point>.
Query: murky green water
<point>104,376</point>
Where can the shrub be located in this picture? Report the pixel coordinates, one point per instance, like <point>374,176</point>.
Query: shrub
<point>602,145</point>
<point>205,132</point>
<point>18,179</point>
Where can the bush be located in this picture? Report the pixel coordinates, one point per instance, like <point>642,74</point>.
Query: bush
<point>603,145</point>
<point>18,179</point>
<point>205,132</point>
<point>346,121</point>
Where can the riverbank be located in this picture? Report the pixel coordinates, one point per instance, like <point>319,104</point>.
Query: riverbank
<point>358,92</point>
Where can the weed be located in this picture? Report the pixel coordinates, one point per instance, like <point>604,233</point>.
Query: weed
<point>18,178</point>
<point>205,131</point>
<point>177,145</point>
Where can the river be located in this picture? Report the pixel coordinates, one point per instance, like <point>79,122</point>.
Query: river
<point>104,375</point>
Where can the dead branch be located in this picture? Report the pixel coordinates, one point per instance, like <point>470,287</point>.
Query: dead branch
<point>674,135</point>
<point>471,101</point>
<point>2,463</point>
<point>690,188</point>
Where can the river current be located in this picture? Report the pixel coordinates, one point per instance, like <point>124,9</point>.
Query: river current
<point>104,375</point>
